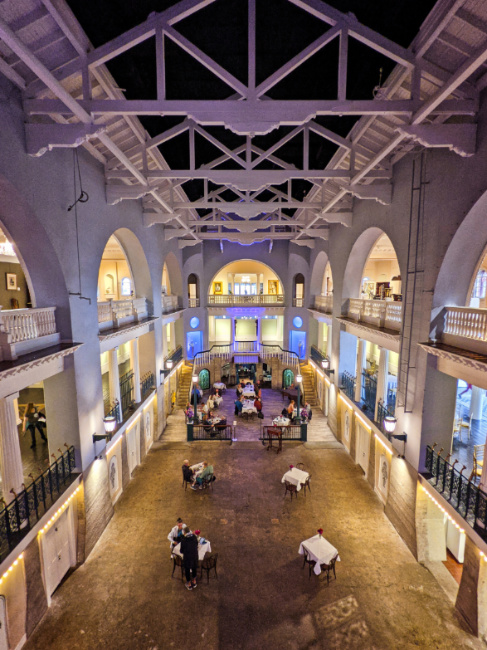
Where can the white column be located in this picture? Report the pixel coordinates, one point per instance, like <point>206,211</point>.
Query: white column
<point>382,377</point>
<point>321,327</point>
<point>476,403</point>
<point>114,379</point>
<point>164,342</point>
<point>232,333</point>
<point>173,336</point>
<point>134,358</point>
<point>361,349</point>
<point>10,458</point>
<point>259,332</point>
<point>260,281</point>
<point>328,343</point>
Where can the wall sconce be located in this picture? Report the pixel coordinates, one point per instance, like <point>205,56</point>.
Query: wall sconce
<point>110,424</point>
<point>169,364</point>
<point>325,364</point>
<point>390,423</point>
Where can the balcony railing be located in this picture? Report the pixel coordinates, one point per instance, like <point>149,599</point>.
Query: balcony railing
<point>115,313</point>
<point>26,330</point>
<point>193,302</point>
<point>348,385</point>
<point>463,495</point>
<point>21,514</point>
<point>246,346</point>
<point>147,384</point>
<point>270,299</point>
<point>298,302</point>
<point>290,432</point>
<point>317,355</point>
<point>169,303</point>
<point>466,328</point>
<point>208,432</point>
<point>324,303</point>
<point>369,391</point>
<point>381,313</point>
<point>127,393</point>
<point>175,356</point>
<point>383,410</point>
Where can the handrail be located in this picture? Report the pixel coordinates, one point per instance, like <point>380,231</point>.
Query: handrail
<point>27,324</point>
<point>468,499</point>
<point>317,355</point>
<point>348,385</point>
<point>289,432</point>
<point>208,432</point>
<point>24,511</point>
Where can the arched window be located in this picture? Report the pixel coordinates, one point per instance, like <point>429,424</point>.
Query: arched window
<point>126,287</point>
<point>298,290</point>
<point>193,290</point>
<point>480,285</point>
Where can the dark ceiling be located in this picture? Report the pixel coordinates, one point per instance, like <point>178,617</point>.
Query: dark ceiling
<point>220,30</point>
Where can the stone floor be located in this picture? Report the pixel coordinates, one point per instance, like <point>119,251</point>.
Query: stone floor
<point>124,597</point>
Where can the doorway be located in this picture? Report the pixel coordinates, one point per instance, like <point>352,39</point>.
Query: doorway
<point>298,343</point>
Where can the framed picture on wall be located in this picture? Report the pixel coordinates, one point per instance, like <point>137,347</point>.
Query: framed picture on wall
<point>11,279</point>
<point>217,287</point>
<point>272,286</point>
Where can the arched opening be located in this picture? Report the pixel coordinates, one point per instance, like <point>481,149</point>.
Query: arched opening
<point>478,285</point>
<point>381,276</point>
<point>298,290</point>
<point>115,279</point>
<point>171,284</point>
<point>193,290</point>
<point>14,289</point>
<point>327,286</point>
<point>246,282</point>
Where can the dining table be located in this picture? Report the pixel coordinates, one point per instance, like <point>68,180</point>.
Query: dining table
<point>204,547</point>
<point>281,421</point>
<point>219,385</point>
<point>197,468</point>
<point>295,476</point>
<point>248,407</point>
<point>319,550</point>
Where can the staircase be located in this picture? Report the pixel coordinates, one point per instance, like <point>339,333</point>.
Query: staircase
<point>308,384</point>
<point>184,386</point>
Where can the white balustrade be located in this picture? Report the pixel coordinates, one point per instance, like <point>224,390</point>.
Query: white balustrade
<point>115,313</point>
<point>104,312</point>
<point>169,303</point>
<point>28,324</point>
<point>246,346</point>
<point>324,303</point>
<point>465,327</point>
<point>267,299</point>
<point>381,313</point>
<point>298,302</point>
<point>193,302</point>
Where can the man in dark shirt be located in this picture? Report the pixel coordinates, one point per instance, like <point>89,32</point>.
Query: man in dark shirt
<point>187,472</point>
<point>189,551</point>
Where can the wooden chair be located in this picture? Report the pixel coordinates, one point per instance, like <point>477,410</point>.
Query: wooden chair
<point>291,488</point>
<point>207,564</point>
<point>178,561</point>
<point>328,568</point>
<point>478,461</point>
<point>458,425</point>
<point>308,561</point>
<point>185,483</point>
<point>208,482</point>
<point>277,433</point>
<point>306,485</point>
<point>300,466</point>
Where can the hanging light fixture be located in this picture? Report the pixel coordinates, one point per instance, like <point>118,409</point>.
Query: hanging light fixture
<point>390,423</point>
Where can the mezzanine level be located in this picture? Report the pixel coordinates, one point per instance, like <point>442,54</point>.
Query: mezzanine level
<point>246,300</point>
<point>27,330</point>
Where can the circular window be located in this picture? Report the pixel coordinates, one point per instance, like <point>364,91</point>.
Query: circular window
<point>297,321</point>
<point>194,322</point>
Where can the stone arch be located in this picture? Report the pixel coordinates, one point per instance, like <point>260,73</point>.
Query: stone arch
<point>174,273</point>
<point>193,285</point>
<point>319,266</point>
<point>246,259</point>
<point>44,276</point>
<point>136,259</point>
<point>357,260</point>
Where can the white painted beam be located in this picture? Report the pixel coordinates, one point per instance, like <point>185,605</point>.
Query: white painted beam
<point>45,137</point>
<point>460,138</point>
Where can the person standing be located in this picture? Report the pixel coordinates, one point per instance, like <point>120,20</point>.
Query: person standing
<point>31,422</point>
<point>189,551</point>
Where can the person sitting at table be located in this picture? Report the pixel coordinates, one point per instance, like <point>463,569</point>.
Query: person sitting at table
<point>258,392</point>
<point>239,391</point>
<point>188,411</point>
<point>238,406</point>
<point>187,472</point>
<point>207,471</point>
<point>176,534</point>
<point>210,403</point>
<point>258,405</point>
<point>219,427</point>
<point>284,412</point>
<point>290,408</point>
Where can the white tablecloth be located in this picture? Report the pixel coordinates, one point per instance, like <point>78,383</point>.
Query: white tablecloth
<point>220,385</point>
<point>202,549</point>
<point>296,477</point>
<point>249,393</point>
<point>196,469</point>
<point>217,400</point>
<point>319,550</point>
<point>281,422</point>
<point>249,409</point>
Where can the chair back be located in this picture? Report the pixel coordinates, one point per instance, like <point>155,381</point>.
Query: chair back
<point>478,452</point>
<point>290,486</point>
<point>178,560</point>
<point>300,466</point>
<point>210,561</point>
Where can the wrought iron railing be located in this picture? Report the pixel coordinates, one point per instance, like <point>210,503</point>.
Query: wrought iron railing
<point>21,514</point>
<point>175,356</point>
<point>317,355</point>
<point>462,494</point>
<point>383,410</point>
<point>290,432</point>
<point>369,391</point>
<point>113,410</point>
<point>147,383</point>
<point>348,385</point>
<point>127,398</point>
<point>208,432</point>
